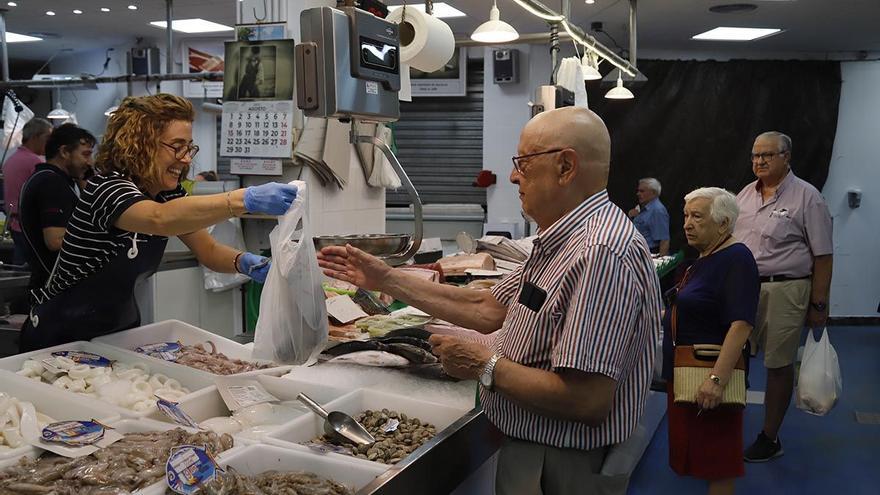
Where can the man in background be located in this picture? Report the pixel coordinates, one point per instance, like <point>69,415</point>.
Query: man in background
<point>650,216</point>
<point>786,224</point>
<point>49,196</point>
<point>16,171</point>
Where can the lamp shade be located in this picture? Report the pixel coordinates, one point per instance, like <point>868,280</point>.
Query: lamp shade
<point>619,92</point>
<point>591,73</point>
<point>58,112</point>
<point>110,110</point>
<point>494,30</point>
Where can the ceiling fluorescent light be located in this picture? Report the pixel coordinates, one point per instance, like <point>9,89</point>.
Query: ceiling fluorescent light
<point>737,34</point>
<point>20,38</point>
<point>193,26</point>
<point>442,10</point>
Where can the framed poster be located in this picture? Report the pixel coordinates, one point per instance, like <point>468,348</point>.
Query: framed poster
<point>258,70</point>
<point>261,32</point>
<point>203,56</point>
<point>451,80</point>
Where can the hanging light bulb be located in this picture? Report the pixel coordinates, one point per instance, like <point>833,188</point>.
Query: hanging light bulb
<point>590,67</point>
<point>619,92</point>
<point>58,113</point>
<point>494,30</point>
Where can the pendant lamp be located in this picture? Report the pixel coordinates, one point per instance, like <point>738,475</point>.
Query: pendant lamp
<point>588,67</point>
<point>619,92</point>
<point>494,30</point>
<point>58,113</point>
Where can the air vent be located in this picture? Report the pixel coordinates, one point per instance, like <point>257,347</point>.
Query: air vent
<point>733,8</point>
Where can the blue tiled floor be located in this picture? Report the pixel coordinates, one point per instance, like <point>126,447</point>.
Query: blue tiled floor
<point>823,455</point>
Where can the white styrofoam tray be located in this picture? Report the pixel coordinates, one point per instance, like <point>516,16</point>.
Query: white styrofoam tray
<point>59,407</point>
<point>310,426</point>
<point>256,459</point>
<point>143,426</point>
<point>208,403</point>
<point>186,376</point>
<point>176,330</point>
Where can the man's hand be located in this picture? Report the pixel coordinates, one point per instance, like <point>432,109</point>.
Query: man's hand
<point>460,358</point>
<point>354,266</point>
<point>633,213</point>
<point>816,318</point>
<point>709,395</point>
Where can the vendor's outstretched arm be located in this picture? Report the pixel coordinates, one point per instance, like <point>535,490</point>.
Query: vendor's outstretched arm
<point>182,215</point>
<point>478,310</point>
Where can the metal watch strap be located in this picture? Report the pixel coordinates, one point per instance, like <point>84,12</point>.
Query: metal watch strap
<point>490,370</point>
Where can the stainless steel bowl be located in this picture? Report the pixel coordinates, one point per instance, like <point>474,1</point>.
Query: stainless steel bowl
<point>376,244</point>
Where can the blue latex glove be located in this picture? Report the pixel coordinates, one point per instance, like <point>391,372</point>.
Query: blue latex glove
<point>273,198</point>
<point>254,266</point>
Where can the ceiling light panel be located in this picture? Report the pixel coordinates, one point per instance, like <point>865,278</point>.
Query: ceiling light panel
<point>736,34</point>
<point>77,11</point>
<point>441,10</point>
<point>20,38</point>
<point>193,26</point>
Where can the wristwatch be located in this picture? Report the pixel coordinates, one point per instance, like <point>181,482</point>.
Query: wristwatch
<point>819,306</point>
<point>487,377</point>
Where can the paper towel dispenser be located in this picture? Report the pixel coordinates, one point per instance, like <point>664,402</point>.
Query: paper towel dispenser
<point>348,65</point>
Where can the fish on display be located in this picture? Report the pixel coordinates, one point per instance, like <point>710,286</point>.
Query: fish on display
<point>402,339</point>
<point>370,303</point>
<point>355,346</point>
<point>417,332</point>
<point>433,371</point>
<point>414,354</point>
<point>373,358</point>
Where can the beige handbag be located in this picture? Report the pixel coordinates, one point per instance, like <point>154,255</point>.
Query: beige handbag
<point>692,365</point>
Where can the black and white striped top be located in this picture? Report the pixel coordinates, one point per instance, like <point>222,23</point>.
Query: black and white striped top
<point>601,315</point>
<point>91,240</point>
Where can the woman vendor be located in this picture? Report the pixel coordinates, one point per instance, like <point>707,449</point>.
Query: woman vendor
<point>117,234</point>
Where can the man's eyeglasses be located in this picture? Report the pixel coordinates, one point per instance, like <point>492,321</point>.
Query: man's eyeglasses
<point>765,157</point>
<point>182,150</point>
<point>518,161</point>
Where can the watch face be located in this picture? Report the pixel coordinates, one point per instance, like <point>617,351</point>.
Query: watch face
<point>485,380</point>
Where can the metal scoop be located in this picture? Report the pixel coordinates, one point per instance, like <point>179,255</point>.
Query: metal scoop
<point>338,424</point>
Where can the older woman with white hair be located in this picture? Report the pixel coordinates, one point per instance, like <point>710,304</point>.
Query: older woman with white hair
<point>714,305</point>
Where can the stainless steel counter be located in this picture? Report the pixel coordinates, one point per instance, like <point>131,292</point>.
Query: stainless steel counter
<point>175,260</point>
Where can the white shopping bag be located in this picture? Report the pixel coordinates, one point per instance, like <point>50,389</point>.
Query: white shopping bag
<point>227,232</point>
<point>819,381</point>
<point>292,327</point>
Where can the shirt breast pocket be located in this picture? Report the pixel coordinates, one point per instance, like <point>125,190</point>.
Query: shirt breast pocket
<point>780,228</point>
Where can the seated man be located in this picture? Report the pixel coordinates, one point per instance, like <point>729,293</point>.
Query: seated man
<point>49,196</point>
<point>578,322</point>
<point>651,217</point>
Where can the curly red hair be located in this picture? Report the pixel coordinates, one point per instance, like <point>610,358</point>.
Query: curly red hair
<point>131,141</point>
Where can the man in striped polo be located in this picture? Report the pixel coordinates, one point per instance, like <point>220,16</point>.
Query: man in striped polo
<point>577,322</point>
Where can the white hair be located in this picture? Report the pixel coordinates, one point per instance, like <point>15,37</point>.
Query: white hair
<point>723,203</point>
<point>652,184</point>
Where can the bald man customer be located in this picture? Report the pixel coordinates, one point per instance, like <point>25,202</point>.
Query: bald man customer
<point>577,323</point>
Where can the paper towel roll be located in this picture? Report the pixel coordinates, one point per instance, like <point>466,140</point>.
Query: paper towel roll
<point>426,42</point>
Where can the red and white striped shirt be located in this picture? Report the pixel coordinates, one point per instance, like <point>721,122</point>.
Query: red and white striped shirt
<point>601,315</point>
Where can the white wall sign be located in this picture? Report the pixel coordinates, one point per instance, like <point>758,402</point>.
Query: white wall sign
<point>255,166</point>
<point>257,129</point>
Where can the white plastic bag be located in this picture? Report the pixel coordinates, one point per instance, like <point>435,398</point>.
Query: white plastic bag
<point>227,232</point>
<point>12,135</point>
<point>292,327</point>
<point>819,381</point>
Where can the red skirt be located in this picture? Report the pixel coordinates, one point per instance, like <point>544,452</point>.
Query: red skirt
<point>708,446</point>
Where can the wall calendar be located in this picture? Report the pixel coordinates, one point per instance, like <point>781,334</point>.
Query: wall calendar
<point>261,129</point>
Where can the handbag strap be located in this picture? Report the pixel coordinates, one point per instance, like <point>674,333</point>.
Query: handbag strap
<point>674,316</point>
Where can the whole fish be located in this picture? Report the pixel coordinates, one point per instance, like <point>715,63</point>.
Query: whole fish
<point>414,354</point>
<point>402,339</point>
<point>381,359</point>
<point>355,346</point>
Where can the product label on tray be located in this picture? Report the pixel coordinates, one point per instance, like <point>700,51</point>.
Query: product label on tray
<point>188,468</point>
<point>249,395</point>
<point>80,357</point>
<point>166,351</point>
<point>173,411</point>
<point>74,433</point>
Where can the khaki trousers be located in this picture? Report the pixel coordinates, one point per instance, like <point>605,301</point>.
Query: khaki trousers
<point>782,310</point>
<point>527,468</point>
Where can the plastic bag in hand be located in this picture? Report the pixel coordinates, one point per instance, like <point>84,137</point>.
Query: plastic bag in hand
<point>292,326</point>
<point>819,381</point>
<point>229,233</point>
